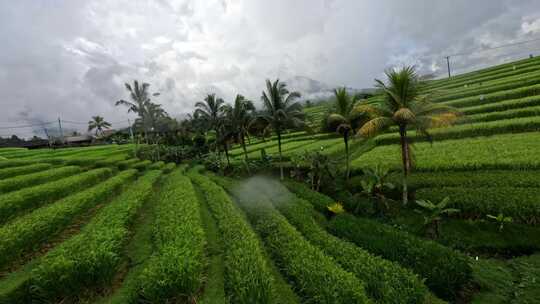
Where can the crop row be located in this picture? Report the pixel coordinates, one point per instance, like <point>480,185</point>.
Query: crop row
<point>490,70</point>
<point>484,78</point>
<point>507,114</point>
<point>32,179</point>
<point>177,266</point>
<point>91,258</point>
<point>502,85</point>
<point>509,151</point>
<point>502,105</point>
<point>385,282</point>
<point>17,202</point>
<point>247,276</point>
<point>54,152</point>
<point>14,171</point>
<point>313,274</point>
<point>29,231</point>
<point>522,204</point>
<point>494,97</point>
<point>445,270</point>
<point>516,125</point>
<point>473,179</point>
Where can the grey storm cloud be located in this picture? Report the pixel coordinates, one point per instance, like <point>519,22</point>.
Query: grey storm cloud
<point>70,59</point>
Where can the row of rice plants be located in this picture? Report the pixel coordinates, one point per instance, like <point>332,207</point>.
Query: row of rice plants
<point>91,258</point>
<point>496,86</point>
<point>502,105</point>
<point>472,179</point>
<point>176,269</point>
<point>27,180</point>
<point>522,204</point>
<point>484,78</point>
<point>385,282</point>
<point>21,170</point>
<point>515,125</point>
<point>508,151</point>
<point>494,97</point>
<point>17,202</point>
<point>493,70</point>
<point>247,276</point>
<point>314,275</point>
<point>53,152</point>
<point>506,114</point>
<point>446,271</point>
<point>31,230</point>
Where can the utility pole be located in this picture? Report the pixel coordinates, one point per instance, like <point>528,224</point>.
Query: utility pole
<point>60,129</point>
<point>448,64</point>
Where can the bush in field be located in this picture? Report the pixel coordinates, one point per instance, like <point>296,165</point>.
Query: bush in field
<point>433,214</point>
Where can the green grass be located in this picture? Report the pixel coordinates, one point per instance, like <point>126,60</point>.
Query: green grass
<point>509,151</point>
<point>17,202</point>
<point>315,275</point>
<point>175,270</point>
<point>22,181</point>
<point>214,289</point>
<point>16,170</point>
<point>247,276</point>
<point>91,258</point>
<point>512,281</point>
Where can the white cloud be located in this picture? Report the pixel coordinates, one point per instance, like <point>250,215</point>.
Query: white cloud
<point>72,59</point>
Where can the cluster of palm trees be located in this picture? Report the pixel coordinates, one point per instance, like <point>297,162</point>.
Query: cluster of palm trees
<point>231,123</point>
<point>150,115</point>
<point>404,105</point>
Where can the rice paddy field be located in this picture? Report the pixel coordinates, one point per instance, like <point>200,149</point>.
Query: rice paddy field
<point>94,225</point>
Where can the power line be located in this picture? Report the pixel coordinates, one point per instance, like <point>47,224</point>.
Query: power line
<point>495,47</point>
<point>28,126</point>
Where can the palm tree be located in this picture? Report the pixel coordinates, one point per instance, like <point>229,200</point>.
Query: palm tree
<point>344,119</point>
<point>281,111</point>
<point>140,99</point>
<point>406,107</point>
<point>98,123</point>
<point>210,112</point>
<point>239,117</point>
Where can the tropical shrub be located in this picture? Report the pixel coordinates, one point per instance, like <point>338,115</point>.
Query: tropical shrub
<point>15,171</point>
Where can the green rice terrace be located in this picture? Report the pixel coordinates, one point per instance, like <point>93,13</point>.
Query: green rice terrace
<point>426,192</point>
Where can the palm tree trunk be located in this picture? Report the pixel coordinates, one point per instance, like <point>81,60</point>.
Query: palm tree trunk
<point>243,141</point>
<point>346,140</point>
<point>405,157</point>
<point>280,155</point>
<point>225,146</point>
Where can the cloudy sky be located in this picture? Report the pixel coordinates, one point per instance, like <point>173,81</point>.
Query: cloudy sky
<point>69,59</point>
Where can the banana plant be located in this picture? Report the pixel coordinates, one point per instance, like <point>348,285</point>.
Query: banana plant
<point>501,220</point>
<point>433,214</point>
<point>374,186</point>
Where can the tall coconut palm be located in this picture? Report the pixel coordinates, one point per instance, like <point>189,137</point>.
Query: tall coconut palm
<point>240,115</point>
<point>281,111</point>
<point>344,120</point>
<point>406,107</point>
<point>98,123</point>
<point>140,98</point>
<point>210,112</point>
